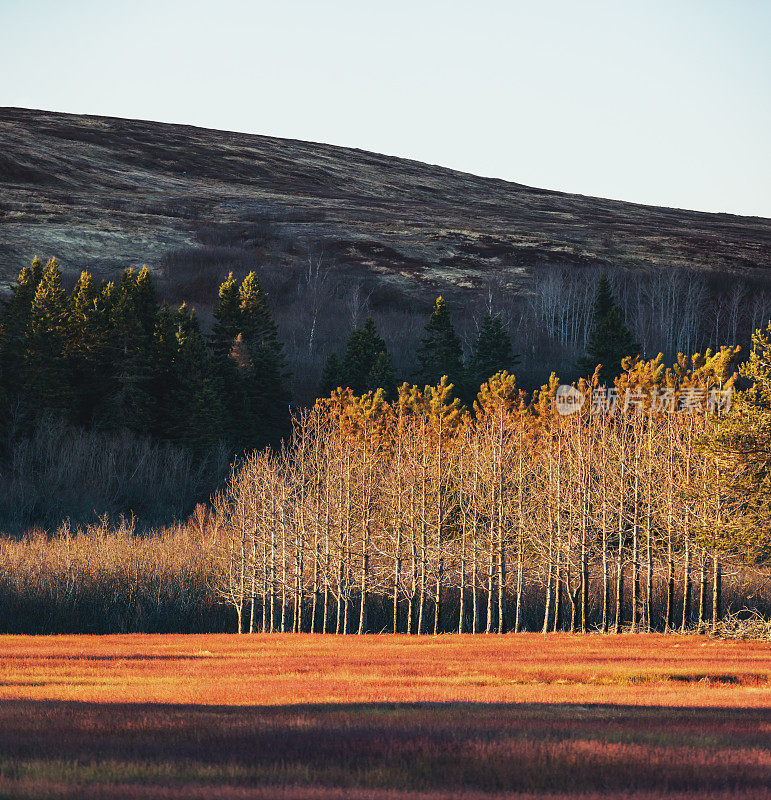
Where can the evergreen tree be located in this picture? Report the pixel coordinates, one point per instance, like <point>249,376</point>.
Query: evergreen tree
<point>146,304</point>
<point>492,352</point>
<point>262,405</point>
<point>13,337</point>
<point>383,376</point>
<point>227,317</point>
<point>362,349</point>
<point>198,402</point>
<point>163,388</point>
<point>740,451</point>
<point>440,352</point>
<point>86,346</point>
<point>610,340</point>
<point>45,373</point>
<point>257,325</point>
<point>130,342</point>
<point>331,376</point>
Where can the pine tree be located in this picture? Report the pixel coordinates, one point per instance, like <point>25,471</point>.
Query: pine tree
<point>130,342</point>
<point>740,450</point>
<point>86,346</point>
<point>440,351</point>
<point>492,352</point>
<point>362,350</point>
<point>227,317</point>
<point>331,376</point>
<point>198,403</point>
<point>610,340</point>
<point>264,405</point>
<point>13,325</point>
<point>45,373</point>
<point>383,376</point>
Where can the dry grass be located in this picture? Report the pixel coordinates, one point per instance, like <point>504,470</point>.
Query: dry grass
<point>222,669</point>
<point>107,577</point>
<point>188,717</point>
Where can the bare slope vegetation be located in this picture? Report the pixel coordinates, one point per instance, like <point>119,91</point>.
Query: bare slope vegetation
<point>108,193</point>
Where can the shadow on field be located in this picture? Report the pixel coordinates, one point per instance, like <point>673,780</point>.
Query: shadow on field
<point>54,747</point>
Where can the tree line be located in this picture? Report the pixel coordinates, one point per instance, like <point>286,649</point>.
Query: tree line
<point>446,518</point>
<point>112,356</point>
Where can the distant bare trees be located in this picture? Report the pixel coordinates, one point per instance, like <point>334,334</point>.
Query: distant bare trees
<point>548,315</point>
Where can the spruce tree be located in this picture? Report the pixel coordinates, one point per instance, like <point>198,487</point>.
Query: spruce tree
<point>331,376</point>
<point>263,408</point>
<point>197,403</point>
<point>86,346</point>
<point>44,365</point>
<point>257,325</point>
<point>362,349</point>
<point>130,331</point>
<point>492,352</point>
<point>383,376</point>
<point>13,326</point>
<point>146,303</point>
<point>227,317</point>
<point>163,388</point>
<point>610,340</point>
<point>440,351</point>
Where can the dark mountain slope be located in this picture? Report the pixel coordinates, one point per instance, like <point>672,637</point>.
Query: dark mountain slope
<point>108,193</point>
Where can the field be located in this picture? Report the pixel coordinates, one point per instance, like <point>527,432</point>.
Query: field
<point>383,717</point>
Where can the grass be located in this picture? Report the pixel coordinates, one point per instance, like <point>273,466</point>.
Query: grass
<point>60,749</point>
<point>383,717</point>
<point>221,669</point>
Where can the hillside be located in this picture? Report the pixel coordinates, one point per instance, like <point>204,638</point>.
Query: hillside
<point>108,193</point>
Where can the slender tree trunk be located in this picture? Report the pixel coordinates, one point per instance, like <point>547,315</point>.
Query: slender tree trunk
<point>716,594</point>
<point>314,602</point>
<point>474,583</point>
<point>649,538</point>
<point>636,550</point>
<point>670,621</point>
<point>619,621</point>
<point>438,604</point>
<point>605,575</point>
<point>703,593</point>
<point>584,587</point>
<point>687,531</point>
<point>253,591</point>
<point>490,578</point>
<point>462,592</point>
<point>549,571</point>
<point>687,585</point>
<point>520,531</point>
<point>558,589</point>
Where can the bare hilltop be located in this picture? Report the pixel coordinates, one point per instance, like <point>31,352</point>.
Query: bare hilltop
<point>105,193</point>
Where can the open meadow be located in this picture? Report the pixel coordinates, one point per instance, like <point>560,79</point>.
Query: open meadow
<point>304,716</point>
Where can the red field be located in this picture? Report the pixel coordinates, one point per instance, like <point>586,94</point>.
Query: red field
<point>383,716</point>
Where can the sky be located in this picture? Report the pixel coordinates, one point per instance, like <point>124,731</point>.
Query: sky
<point>667,103</point>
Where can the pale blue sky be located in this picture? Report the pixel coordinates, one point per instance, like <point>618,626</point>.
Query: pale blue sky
<point>654,102</point>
